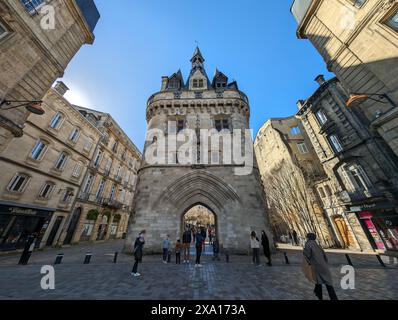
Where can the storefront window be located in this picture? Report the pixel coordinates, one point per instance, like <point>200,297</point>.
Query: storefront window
<point>87,230</point>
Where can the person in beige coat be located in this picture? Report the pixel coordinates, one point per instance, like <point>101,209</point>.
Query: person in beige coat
<point>316,258</point>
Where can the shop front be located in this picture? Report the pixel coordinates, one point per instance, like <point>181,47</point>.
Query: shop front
<point>381,225</point>
<point>17,222</point>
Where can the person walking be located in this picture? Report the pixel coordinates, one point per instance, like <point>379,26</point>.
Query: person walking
<point>28,249</point>
<point>186,244</point>
<point>199,247</point>
<point>138,250</point>
<point>316,258</point>
<point>178,251</point>
<point>166,248</point>
<point>216,249</point>
<point>255,245</point>
<point>266,247</point>
<point>204,236</point>
<point>295,238</point>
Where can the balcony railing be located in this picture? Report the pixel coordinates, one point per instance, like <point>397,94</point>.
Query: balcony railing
<point>112,203</point>
<point>299,9</point>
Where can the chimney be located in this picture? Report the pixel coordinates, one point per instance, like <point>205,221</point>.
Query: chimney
<point>300,104</point>
<point>320,79</point>
<point>165,79</point>
<point>61,88</point>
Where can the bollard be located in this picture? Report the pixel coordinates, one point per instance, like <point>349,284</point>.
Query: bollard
<point>58,259</point>
<point>87,258</point>
<point>381,261</point>
<point>349,260</point>
<point>115,257</point>
<point>286,258</point>
<point>227,257</point>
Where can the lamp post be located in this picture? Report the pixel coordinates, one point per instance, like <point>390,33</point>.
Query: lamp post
<point>32,106</point>
<point>359,97</point>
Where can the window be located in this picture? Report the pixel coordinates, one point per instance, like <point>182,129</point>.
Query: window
<point>328,191</point>
<point>98,159</point>
<point>118,172</point>
<point>221,124</point>
<point>32,5</point>
<point>61,162</point>
<point>334,140</point>
<point>391,22</point>
<point>18,183</point>
<point>68,196</point>
<point>101,188</point>
<point>295,131</point>
<point>302,148</point>
<point>38,150</point>
<point>88,184</point>
<point>358,3</point>
<point>195,83</point>
<point>56,121</point>
<point>115,146</point>
<point>180,125</point>
<point>77,170</point>
<point>3,31</point>
<point>46,190</point>
<point>122,196</point>
<point>356,178</point>
<point>74,135</point>
<point>88,145</point>
<point>321,117</point>
<point>113,192</point>
<point>321,192</point>
<point>108,165</point>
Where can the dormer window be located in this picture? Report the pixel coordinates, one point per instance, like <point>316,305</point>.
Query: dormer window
<point>198,83</point>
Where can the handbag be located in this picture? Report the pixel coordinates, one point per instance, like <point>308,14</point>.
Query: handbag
<point>309,271</point>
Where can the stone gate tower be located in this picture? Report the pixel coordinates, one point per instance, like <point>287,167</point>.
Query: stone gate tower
<point>166,191</point>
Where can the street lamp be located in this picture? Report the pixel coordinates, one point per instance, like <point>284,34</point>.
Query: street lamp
<point>360,97</point>
<point>32,106</point>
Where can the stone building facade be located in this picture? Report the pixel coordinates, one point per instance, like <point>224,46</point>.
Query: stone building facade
<point>360,167</point>
<point>103,205</point>
<point>167,189</point>
<point>33,54</point>
<point>290,171</point>
<point>42,173</point>
<point>359,42</point>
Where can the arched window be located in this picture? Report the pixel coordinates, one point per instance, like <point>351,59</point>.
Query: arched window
<point>56,121</point>
<point>38,150</point>
<point>18,183</point>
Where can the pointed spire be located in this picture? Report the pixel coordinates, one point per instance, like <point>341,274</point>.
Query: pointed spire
<point>197,58</point>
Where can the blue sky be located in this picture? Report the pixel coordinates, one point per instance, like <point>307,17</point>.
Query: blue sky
<point>137,42</point>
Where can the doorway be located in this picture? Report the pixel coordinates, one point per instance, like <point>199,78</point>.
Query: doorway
<point>54,231</point>
<point>72,226</point>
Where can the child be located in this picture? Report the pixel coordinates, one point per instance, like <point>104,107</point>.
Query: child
<point>178,251</point>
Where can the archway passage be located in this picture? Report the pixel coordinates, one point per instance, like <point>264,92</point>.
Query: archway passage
<point>200,218</point>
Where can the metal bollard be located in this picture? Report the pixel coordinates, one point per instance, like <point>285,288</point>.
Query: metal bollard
<point>349,260</point>
<point>115,257</point>
<point>381,261</point>
<point>58,259</point>
<point>286,258</point>
<point>87,258</point>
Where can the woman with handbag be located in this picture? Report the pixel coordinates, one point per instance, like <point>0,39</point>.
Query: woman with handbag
<point>316,268</point>
<point>138,248</point>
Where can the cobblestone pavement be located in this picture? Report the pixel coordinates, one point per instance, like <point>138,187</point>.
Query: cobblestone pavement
<point>217,280</point>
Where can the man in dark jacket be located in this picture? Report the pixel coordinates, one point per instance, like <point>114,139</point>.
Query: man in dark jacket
<point>186,244</point>
<point>266,248</point>
<point>198,245</point>
<point>138,248</point>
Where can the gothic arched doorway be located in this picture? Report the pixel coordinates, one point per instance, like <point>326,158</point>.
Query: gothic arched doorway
<point>200,216</point>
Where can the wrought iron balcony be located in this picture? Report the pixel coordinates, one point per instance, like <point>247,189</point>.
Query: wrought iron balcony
<point>112,203</point>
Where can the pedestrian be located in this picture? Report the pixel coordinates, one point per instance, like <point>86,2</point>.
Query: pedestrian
<point>166,248</point>
<point>266,247</point>
<point>295,238</point>
<point>138,248</point>
<point>255,245</point>
<point>204,236</point>
<point>178,251</point>
<point>29,247</point>
<point>216,249</point>
<point>316,259</point>
<point>199,246</point>
<point>186,244</point>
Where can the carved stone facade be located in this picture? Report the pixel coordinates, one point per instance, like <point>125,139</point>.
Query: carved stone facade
<point>359,42</point>
<point>360,167</point>
<point>165,192</point>
<point>32,57</point>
